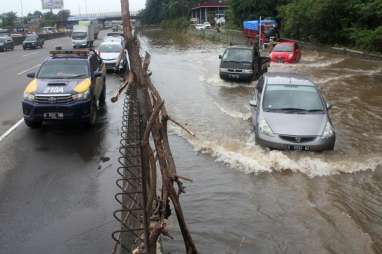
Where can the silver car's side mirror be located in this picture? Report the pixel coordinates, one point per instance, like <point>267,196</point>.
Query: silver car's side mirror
<point>220,56</point>
<point>329,106</point>
<point>253,103</point>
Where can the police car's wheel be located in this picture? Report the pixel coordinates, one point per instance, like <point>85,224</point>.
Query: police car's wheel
<point>102,98</point>
<point>33,125</point>
<point>93,114</point>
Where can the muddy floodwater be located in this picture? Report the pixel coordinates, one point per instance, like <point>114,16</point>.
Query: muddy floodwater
<point>248,199</point>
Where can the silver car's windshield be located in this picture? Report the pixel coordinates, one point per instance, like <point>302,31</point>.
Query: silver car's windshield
<point>292,98</point>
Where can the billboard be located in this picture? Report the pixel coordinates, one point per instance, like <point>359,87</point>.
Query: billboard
<point>52,4</point>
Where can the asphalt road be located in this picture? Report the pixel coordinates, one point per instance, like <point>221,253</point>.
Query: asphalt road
<point>56,183</point>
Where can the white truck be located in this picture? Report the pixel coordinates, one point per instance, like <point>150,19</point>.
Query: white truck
<point>83,34</point>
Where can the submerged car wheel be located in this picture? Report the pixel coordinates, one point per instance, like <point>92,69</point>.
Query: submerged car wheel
<point>32,124</point>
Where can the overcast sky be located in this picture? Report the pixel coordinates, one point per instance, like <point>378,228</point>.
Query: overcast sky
<point>75,6</point>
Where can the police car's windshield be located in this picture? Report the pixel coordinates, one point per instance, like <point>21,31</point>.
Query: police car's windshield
<point>64,69</point>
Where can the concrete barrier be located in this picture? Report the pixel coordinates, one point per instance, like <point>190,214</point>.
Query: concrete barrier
<point>19,39</point>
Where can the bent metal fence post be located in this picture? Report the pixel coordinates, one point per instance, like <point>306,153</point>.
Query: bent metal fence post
<point>145,148</point>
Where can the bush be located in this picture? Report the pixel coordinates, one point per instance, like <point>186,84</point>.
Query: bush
<point>177,24</point>
<point>367,39</point>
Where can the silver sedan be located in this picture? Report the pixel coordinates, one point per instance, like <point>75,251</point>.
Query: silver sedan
<point>289,113</point>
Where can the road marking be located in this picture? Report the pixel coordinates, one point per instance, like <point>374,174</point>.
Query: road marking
<point>31,54</point>
<point>8,132</point>
<point>31,68</point>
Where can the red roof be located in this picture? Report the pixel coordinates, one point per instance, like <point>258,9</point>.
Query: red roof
<point>209,5</point>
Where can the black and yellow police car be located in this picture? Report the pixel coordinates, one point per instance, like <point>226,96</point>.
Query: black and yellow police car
<point>70,85</point>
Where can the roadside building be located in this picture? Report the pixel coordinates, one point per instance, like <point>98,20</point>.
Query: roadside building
<point>208,10</point>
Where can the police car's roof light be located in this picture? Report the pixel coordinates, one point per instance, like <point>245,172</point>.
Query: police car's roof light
<point>66,53</point>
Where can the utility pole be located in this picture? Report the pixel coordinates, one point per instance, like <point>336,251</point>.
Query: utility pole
<point>86,6</point>
<point>22,9</point>
<point>260,33</point>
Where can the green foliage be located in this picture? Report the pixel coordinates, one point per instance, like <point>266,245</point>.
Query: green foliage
<point>355,23</point>
<point>368,39</point>
<point>348,22</point>
<point>240,10</point>
<point>158,10</point>
<point>62,17</point>
<point>9,19</point>
<point>177,24</point>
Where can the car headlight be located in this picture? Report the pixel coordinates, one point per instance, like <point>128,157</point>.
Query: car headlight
<point>247,71</point>
<point>223,69</point>
<point>265,129</point>
<point>28,96</point>
<point>81,96</point>
<point>329,131</point>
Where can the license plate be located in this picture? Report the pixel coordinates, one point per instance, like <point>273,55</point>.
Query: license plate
<point>280,61</point>
<point>54,116</point>
<point>233,76</point>
<point>299,148</point>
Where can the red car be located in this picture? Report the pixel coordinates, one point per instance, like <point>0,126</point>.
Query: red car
<point>286,52</point>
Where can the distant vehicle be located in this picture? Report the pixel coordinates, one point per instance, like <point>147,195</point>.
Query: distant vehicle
<point>255,29</point>
<point>207,25</point>
<point>115,34</point>
<point>286,52</point>
<point>194,20</point>
<point>49,30</point>
<point>69,86</point>
<point>204,26</point>
<point>4,32</point>
<point>117,25</point>
<point>93,24</point>
<point>33,41</point>
<point>108,24</point>
<point>6,43</point>
<point>200,27</point>
<point>220,21</point>
<point>111,52</point>
<point>289,113</point>
<point>83,35</point>
<point>115,37</point>
<point>242,63</point>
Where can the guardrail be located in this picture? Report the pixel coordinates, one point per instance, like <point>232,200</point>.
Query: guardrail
<point>19,39</point>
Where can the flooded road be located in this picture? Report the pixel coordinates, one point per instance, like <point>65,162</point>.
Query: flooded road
<point>248,199</point>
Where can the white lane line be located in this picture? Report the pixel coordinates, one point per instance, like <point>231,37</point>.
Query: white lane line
<point>8,132</point>
<point>31,54</point>
<point>31,68</point>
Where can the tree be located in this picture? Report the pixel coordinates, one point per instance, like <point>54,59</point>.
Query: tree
<point>62,17</point>
<point>49,19</point>
<point>9,19</point>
